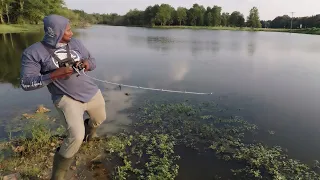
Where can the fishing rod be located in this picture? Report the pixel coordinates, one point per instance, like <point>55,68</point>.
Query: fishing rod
<point>140,87</point>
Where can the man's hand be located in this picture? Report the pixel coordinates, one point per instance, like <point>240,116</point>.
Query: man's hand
<point>84,64</point>
<point>60,73</point>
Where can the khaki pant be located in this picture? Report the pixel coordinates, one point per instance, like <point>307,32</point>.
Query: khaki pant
<point>72,112</point>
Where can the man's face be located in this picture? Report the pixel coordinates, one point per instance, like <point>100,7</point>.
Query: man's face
<point>67,34</point>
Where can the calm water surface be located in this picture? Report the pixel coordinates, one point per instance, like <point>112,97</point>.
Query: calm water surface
<point>271,77</point>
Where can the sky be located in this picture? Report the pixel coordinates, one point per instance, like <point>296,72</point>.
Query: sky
<point>268,9</point>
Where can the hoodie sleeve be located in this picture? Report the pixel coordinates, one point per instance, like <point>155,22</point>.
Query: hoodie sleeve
<point>87,55</point>
<point>30,77</point>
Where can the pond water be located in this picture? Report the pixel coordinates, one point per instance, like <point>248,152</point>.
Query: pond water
<point>269,78</point>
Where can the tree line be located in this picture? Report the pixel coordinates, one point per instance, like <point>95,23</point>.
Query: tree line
<point>198,15</point>
<point>33,11</point>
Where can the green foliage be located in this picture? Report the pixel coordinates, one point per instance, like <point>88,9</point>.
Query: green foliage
<point>197,127</point>
<point>164,14</point>
<point>236,19</point>
<point>150,15</point>
<point>224,19</point>
<point>1,12</point>
<point>197,15</point>
<point>285,22</point>
<point>33,11</point>
<point>181,15</point>
<point>254,18</point>
<point>134,17</point>
<point>216,16</point>
<point>144,155</point>
<point>209,19</point>
<point>272,162</point>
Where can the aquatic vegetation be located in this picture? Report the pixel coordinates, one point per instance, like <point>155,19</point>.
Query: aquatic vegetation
<point>190,125</point>
<point>144,156</point>
<point>262,161</point>
<point>228,137</point>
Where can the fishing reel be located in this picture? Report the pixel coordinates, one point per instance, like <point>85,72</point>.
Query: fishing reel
<point>69,62</point>
<point>77,66</point>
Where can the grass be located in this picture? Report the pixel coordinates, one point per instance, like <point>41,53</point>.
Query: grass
<point>17,28</point>
<point>30,153</point>
<point>148,150</point>
<point>302,31</point>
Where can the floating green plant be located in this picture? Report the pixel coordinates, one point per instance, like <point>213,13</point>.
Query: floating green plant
<point>143,155</point>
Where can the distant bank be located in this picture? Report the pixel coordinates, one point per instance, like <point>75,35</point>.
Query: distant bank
<point>17,28</point>
<point>315,31</point>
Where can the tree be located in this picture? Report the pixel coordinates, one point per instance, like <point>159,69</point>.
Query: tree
<point>196,15</point>
<point>181,15</point>
<point>201,14</point>
<point>206,17</point>
<point>72,16</point>
<point>150,15</point>
<point>236,19</point>
<point>225,19</point>
<point>165,14</point>
<point>21,4</point>
<point>35,10</point>
<point>173,20</point>
<point>1,11</point>
<point>192,17</point>
<point>253,18</point>
<point>7,8</point>
<point>134,18</point>
<point>216,16</point>
<point>241,21</point>
<point>281,22</point>
<point>265,24</point>
<point>209,19</point>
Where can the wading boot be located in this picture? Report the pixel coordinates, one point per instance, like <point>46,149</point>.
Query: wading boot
<point>61,166</point>
<point>90,132</point>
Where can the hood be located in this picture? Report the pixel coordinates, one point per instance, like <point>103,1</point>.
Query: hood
<point>54,27</point>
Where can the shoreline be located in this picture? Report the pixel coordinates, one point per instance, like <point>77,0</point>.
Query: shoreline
<point>21,28</point>
<point>315,31</point>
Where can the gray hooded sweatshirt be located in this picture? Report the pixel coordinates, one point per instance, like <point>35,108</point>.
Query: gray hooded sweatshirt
<point>37,64</point>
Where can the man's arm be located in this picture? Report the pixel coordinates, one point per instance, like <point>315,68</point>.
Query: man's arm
<point>30,77</point>
<point>87,55</point>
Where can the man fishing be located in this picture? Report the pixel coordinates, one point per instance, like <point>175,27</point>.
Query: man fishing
<point>52,63</point>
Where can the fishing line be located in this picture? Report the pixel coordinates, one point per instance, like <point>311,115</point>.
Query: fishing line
<point>144,88</point>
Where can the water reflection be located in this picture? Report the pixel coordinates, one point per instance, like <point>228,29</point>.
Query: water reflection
<point>116,102</point>
<point>215,46</point>
<point>161,44</point>
<point>167,43</point>
<point>11,46</point>
<point>252,43</point>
